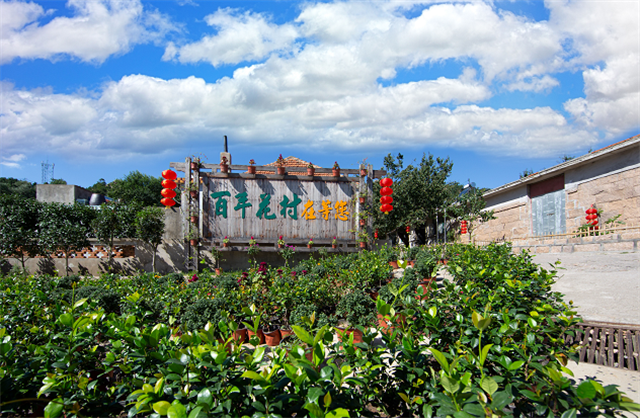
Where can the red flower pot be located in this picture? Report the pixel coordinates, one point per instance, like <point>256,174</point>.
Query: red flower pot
<point>193,242</point>
<point>363,173</point>
<point>260,335</point>
<point>311,171</point>
<point>272,338</point>
<point>252,169</point>
<point>335,172</point>
<point>361,200</point>
<point>224,168</point>
<point>362,222</point>
<point>240,335</point>
<point>280,171</point>
<point>393,264</point>
<point>363,245</point>
<point>344,335</point>
<point>194,219</point>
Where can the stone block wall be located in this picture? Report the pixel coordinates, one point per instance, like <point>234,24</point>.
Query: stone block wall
<point>512,221</point>
<point>615,194</point>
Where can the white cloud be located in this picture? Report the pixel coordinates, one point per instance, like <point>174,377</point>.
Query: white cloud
<point>97,30</point>
<point>240,37</point>
<point>13,160</point>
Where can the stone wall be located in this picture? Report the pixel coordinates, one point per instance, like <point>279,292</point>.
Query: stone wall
<point>625,240</point>
<point>513,220</point>
<point>614,194</point>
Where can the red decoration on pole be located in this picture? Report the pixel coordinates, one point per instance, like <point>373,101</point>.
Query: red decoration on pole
<point>386,191</point>
<point>169,174</point>
<point>592,216</point>
<point>167,201</point>
<point>169,184</point>
<point>386,182</point>
<point>386,199</point>
<point>463,227</point>
<point>168,193</point>
<point>375,234</point>
<point>408,229</point>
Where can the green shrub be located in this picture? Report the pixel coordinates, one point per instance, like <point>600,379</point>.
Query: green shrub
<point>66,282</point>
<point>174,278</point>
<point>196,316</point>
<point>357,308</point>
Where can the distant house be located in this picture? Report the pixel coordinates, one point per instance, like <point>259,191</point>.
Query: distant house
<point>62,193</point>
<point>554,200</point>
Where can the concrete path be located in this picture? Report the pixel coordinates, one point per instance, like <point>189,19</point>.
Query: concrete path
<point>604,287</point>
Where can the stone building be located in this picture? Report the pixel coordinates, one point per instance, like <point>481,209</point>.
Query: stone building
<point>553,201</point>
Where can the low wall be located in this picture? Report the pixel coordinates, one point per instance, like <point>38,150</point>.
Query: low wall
<point>624,241</point>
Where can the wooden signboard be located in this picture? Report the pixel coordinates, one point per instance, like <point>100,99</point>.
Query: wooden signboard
<point>267,208</point>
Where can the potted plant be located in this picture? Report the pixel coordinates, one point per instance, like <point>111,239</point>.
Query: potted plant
<point>225,241</point>
<point>193,219</point>
<point>363,238</point>
<point>252,242</point>
<point>356,310</point>
<point>252,166</point>
<point>310,243</point>
<point>193,189</point>
<point>362,216</point>
<point>217,255</point>
<point>336,169</point>
<point>280,165</point>
<point>311,170</point>
<point>196,162</point>
<point>362,198</point>
<point>224,166</point>
<point>192,236</point>
<point>280,242</point>
<point>363,168</point>
<point>334,243</point>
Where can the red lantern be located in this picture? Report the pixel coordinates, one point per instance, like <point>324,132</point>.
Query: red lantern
<point>592,216</point>
<point>375,234</point>
<point>386,199</point>
<point>386,191</point>
<point>169,174</point>
<point>386,182</point>
<point>168,193</point>
<point>386,208</point>
<point>169,184</point>
<point>408,229</point>
<point>167,201</point>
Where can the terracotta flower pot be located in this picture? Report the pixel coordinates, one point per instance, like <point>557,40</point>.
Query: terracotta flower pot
<point>272,338</point>
<point>224,168</point>
<point>362,222</point>
<point>193,193</point>
<point>344,335</point>
<point>194,219</point>
<point>361,200</point>
<point>285,333</point>
<point>225,244</point>
<point>335,172</point>
<point>252,169</point>
<point>260,335</point>
<point>309,245</point>
<point>280,245</point>
<point>311,171</point>
<point>280,171</point>
<point>195,166</point>
<point>218,271</point>
<point>363,245</point>
<point>363,173</point>
<point>240,335</point>
<point>334,246</point>
<point>393,264</point>
<point>426,285</point>
<point>193,242</point>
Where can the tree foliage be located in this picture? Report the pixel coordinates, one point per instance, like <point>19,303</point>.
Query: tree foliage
<point>65,228</point>
<point>22,188</point>
<point>101,187</point>
<point>19,228</point>
<point>136,187</point>
<point>114,220</point>
<point>150,229</point>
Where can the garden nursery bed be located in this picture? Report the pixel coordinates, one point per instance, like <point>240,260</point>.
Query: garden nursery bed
<point>345,338</point>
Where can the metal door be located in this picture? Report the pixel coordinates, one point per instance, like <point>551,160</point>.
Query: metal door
<point>548,213</point>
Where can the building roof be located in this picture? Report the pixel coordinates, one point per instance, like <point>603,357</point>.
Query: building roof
<point>560,168</point>
<point>294,162</point>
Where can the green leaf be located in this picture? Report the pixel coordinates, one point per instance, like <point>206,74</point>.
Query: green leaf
<point>161,407</point>
<point>253,376</point>
<point>586,390</point>
<point>483,354</point>
<point>327,400</point>
<point>54,408</point>
<point>404,397</point>
<point>441,359</point>
<point>195,412</point>
<point>66,319</point>
<point>489,385</point>
<point>516,365</point>
<point>501,399</point>
<point>571,413</point>
<point>433,311</point>
<point>314,394</point>
<point>450,384</point>
<point>314,410</point>
<point>338,413</point>
<point>177,410</point>
<point>205,398</point>
<point>302,334</point>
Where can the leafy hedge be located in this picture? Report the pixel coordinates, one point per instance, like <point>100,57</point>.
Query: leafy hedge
<point>488,343</point>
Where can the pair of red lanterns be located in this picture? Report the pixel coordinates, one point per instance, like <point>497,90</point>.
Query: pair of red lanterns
<point>592,216</point>
<point>169,184</point>
<point>463,227</point>
<point>386,193</point>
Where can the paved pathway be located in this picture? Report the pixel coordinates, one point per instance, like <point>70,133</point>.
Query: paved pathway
<point>604,286</point>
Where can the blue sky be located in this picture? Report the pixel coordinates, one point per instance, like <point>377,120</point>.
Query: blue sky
<point>102,88</point>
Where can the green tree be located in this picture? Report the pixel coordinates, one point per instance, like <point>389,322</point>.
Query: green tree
<point>65,228</point>
<point>150,229</point>
<point>22,188</point>
<point>115,220</point>
<point>101,187</point>
<point>469,206</point>
<point>418,191</point>
<point>137,188</point>
<point>18,228</point>
<point>58,181</point>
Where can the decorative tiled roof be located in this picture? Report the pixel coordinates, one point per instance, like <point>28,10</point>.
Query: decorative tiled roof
<point>293,162</point>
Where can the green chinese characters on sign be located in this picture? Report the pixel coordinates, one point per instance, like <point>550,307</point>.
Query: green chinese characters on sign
<point>290,207</point>
<point>264,209</point>
<point>221,203</point>
<point>242,203</point>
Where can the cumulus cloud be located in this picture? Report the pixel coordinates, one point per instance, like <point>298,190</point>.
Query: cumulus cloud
<point>12,161</point>
<point>97,30</point>
<point>240,37</point>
